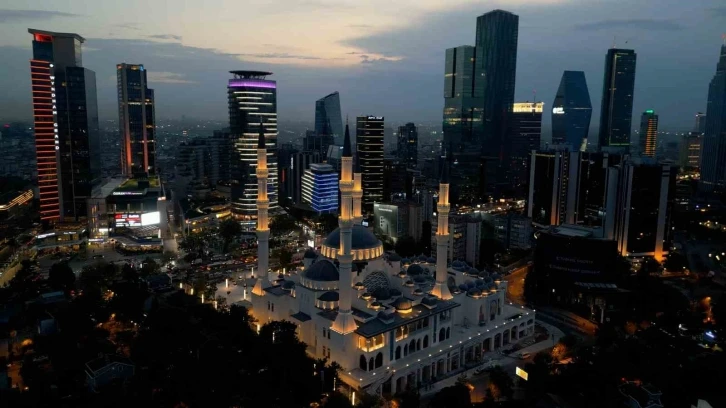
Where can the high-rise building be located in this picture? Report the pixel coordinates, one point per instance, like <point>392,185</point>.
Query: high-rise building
<point>616,112</point>
<point>690,151</point>
<point>700,125</point>
<point>314,142</point>
<point>65,115</point>
<point>648,135</point>
<point>548,175</point>
<point>497,33</point>
<point>136,121</point>
<point>252,103</point>
<point>463,123</point>
<point>300,162</point>
<point>713,161</point>
<point>320,188</point>
<point>328,120</point>
<point>524,131</point>
<point>408,145</point>
<point>571,112</point>
<point>369,146</point>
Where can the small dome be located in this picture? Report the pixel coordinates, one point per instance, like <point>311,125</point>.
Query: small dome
<point>488,279</point>
<point>409,283</point>
<point>402,274</point>
<point>405,261</point>
<point>463,287</point>
<point>376,304</point>
<point>394,257</point>
<point>381,294</point>
<point>366,296</point>
<point>418,292</point>
<point>419,279</point>
<point>496,276</point>
<point>322,271</point>
<point>415,269</point>
<point>402,304</point>
<point>394,292</point>
<point>431,260</point>
<point>422,258</point>
<point>457,264</point>
<point>288,285</point>
<point>280,276</point>
<point>483,274</point>
<point>359,286</point>
<point>470,284</point>
<point>473,271</point>
<point>473,292</point>
<point>480,283</point>
<point>310,254</point>
<point>429,301</point>
<point>329,297</point>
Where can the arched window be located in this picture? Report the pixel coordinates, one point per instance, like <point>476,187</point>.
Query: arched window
<point>398,352</point>
<point>448,332</point>
<point>418,344</point>
<point>363,365</point>
<point>370,364</point>
<point>442,334</point>
<point>412,346</point>
<point>379,359</point>
<point>482,314</point>
<point>426,341</point>
<point>405,350</point>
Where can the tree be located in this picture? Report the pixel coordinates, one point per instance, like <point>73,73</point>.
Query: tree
<point>675,262</point>
<point>409,398</point>
<point>61,276</point>
<point>327,222</point>
<point>150,267</point>
<point>228,230</point>
<point>167,257</point>
<point>282,225</point>
<point>337,400</point>
<point>501,384</point>
<point>454,396</point>
<point>284,256</point>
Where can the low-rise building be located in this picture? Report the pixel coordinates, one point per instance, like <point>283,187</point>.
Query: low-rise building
<point>107,369</point>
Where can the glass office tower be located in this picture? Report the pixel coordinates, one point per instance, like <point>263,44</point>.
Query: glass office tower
<point>571,112</point>
<point>65,114</point>
<point>713,159</point>
<point>369,152</point>
<point>616,112</point>
<point>328,120</point>
<point>252,101</point>
<point>136,121</point>
<point>407,146</point>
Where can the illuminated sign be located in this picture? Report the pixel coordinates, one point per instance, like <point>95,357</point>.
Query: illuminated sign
<point>128,220</point>
<point>129,193</point>
<point>375,118</point>
<point>151,218</point>
<point>41,236</point>
<point>522,374</point>
<point>558,110</point>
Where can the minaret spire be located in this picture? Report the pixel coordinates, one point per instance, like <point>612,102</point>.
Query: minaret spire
<point>441,288</point>
<point>344,322</point>
<point>264,278</point>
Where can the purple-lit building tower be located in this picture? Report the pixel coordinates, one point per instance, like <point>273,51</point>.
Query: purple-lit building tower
<point>252,103</point>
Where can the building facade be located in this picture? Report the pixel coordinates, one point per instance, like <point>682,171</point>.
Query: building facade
<point>407,147</point>
<point>369,145</point>
<point>616,111</point>
<point>524,132</point>
<point>320,188</point>
<point>136,121</point>
<point>690,154</point>
<point>571,112</point>
<point>252,101</point>
<point>328,120</point>
<point>648,135</point>
<point>514,231</point>
<point>65,115</point>
<point>713,162</point>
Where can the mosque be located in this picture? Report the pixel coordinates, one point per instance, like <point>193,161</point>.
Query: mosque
<point>389,322</point>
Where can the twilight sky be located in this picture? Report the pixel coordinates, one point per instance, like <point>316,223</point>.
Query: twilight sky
<point>384,57</point>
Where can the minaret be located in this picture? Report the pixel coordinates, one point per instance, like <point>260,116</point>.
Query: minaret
<point>344,322</point>
<point>264,278</point>
<point>357,193</point>
<point>441,289</point>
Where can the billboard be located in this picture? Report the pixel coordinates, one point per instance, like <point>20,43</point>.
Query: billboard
<point>151,218</point>
<point>127,220</point>
<point>385,220</point>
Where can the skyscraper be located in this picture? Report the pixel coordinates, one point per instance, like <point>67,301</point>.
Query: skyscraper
<point>328,120</point>
<point>648,133</point>
<point>252,103</point>
<point>369,146</point>
<point>136,120</point>
<point>690,149</point>
<point>463,124</point>
<point>65,114</point>
<point>700,125</point>
<point>571,111</point>
<point>320,188</point>
<point>523,136</point>
<point>497,33</point>
<point>713,162</point>
<point>616,112</point>
<point>408,145</point>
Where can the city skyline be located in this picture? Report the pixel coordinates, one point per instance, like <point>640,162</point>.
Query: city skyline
<point>368,78</point>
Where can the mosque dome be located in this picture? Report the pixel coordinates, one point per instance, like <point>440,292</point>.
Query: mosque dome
<point>382,294</point>
<point>395,292</point>
<point>431,260</point>
<point>394,257</point>
<point>288,285</point>
<point>415,269</point>
<point>364,245</point>
<point>405,261</point>
<point>403,305</point>
<point>310,254</point>
<point>422,258</point>
<point>322,271</point>
<point>329,297</point>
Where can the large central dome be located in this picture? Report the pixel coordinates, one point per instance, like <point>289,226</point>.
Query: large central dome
<point>365,245</point>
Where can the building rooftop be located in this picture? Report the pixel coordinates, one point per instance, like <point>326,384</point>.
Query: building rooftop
<point>250,74</point>
<point>377,326</point>
<point>101,362</point>
<point>56,34</point>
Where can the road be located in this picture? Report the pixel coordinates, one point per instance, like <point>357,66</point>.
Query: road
<point>515,285</point>
<point>109,255</point>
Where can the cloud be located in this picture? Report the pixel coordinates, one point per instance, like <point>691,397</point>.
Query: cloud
<point>636,23</point>
<point>10,16</point>
<point>367,59</point>
<point>359,26</point>
<point>279,55</point>
<point>128,26</point>
<point>167,78</point>
<point>166,37</point>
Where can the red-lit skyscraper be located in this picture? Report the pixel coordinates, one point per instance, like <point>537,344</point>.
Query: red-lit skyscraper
<point>65,115</point>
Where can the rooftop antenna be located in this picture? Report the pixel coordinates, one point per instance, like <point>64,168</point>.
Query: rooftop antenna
<point>534,93</point>
<point>614,42</point>
<point>723,37</point>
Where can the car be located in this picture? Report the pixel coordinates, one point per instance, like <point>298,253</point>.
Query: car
<point>99,256</point>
